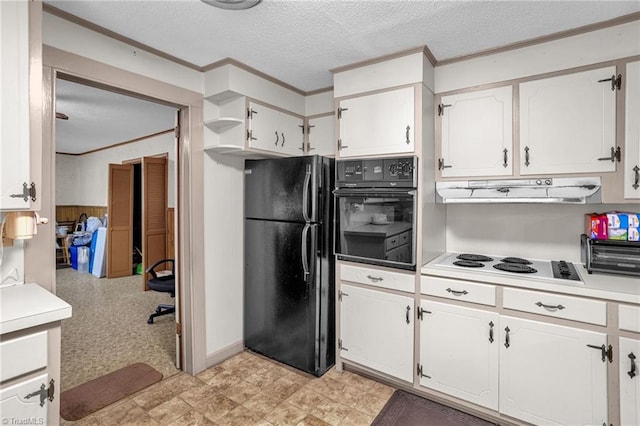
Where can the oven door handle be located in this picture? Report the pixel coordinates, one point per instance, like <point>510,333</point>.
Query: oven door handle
<point>377,193</point>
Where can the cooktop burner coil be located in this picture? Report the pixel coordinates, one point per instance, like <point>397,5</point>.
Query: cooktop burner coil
<point>474,257</point>
<point>517,260</point>
<point>515,267</point>
<point>468,264</point>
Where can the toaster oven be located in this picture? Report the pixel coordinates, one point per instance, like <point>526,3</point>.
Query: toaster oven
<point>610,256</point>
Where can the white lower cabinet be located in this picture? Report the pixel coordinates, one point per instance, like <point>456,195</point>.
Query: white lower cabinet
<point>629,353</point>
<point>376,330</point>
<point>22,403</point>
<point>552,374</point>
<point>459,352</point>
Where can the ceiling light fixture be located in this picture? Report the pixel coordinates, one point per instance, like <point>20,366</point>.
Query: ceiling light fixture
<point>232,4</point>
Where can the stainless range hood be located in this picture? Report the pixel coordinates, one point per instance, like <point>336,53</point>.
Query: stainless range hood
<point>579,190</point>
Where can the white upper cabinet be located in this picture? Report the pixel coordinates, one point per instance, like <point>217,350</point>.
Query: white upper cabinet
<point>632,132</point>
<point>380,123</point>
<point>20,104</point>
<point>321,136</point>
<point>274,131</point>
<point>568,123</point>
<point>476,133</point>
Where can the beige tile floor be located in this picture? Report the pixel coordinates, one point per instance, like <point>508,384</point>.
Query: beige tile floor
<point>249,389</point>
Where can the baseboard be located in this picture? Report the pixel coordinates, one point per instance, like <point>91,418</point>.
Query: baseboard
<point>225,353</point>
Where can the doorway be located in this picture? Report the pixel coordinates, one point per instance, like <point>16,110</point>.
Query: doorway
<point>87,343</point>
<point>189,215</point>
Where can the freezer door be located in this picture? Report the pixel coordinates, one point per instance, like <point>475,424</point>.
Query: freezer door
<point>281,317</point>
<point>283,189</point>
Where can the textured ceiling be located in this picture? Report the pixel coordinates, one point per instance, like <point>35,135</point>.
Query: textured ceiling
<point>98,118</point>
<point>299,41</point>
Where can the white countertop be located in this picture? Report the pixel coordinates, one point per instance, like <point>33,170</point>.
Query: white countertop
<point>29,305</point>
<point>620,288</point>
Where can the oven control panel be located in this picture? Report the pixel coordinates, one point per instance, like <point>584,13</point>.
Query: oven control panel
<point>377,173</point>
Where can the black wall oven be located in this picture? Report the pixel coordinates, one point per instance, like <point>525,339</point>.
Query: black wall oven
<point>375,202</point>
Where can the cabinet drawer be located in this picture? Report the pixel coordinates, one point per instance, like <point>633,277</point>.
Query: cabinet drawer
<point>23,355</point>
<point>378,278</point>
<point>459,290</point>
<point>399,254</point>
<point>629,318</point>
<point>554,305</point>
<point>397,240</point>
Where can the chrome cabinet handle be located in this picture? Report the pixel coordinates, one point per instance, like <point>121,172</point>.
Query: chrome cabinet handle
<point>504,158</point>
<point>491,331</point>
<point>616,81</point>
<point>526,156</point>
<point>457,292</point>
<point>375,279</point>
<point>636,177</point>
<point>408,312</point>
<point>441,164</point>
<point>507,339</point>
<point>277,139</point>
<point>550,307</point>
<point>632,371</point>
<point>611,158</point>
<point>408,140</point>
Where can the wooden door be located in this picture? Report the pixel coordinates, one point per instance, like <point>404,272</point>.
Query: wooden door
<point>120,224</point>
<point>154,212</point>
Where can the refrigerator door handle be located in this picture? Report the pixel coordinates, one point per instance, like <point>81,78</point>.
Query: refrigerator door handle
<point>305,254</point>
<point>305,194</point>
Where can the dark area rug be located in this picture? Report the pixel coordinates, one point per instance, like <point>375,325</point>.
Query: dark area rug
<point>90,397</point>
<point>406,409</point>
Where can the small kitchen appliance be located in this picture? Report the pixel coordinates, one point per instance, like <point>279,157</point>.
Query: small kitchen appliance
<point>610,256</point>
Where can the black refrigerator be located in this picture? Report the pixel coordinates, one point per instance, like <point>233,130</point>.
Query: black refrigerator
<point>289,309</point>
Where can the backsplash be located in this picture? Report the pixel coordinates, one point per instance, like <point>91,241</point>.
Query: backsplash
<point>525,230</point>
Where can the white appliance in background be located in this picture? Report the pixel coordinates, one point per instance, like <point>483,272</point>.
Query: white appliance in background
<point>547,270</point>
<point>99,266</point>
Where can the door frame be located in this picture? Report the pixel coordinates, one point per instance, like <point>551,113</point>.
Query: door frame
<point>189,188</point>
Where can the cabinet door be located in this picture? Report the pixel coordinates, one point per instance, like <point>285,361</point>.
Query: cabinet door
<point>548,374</point>
<point>291,135</point>
<point>568,123</point>
<point>376,330</point>
<point>476,133</point>
<point>322,136</point>
<point>459,352</point>
<point>263,127</point>
<point>629,382</point>
<point>15,138</point>
<point>16,407</point>
<point>632,132</point>
<point>382,123</point>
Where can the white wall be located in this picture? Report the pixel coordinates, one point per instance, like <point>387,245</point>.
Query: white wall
<point>525,230</point>
<point>82,179</point>
<point>223,245</point>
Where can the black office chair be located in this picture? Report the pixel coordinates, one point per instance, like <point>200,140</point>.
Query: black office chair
<point>166,284</point>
